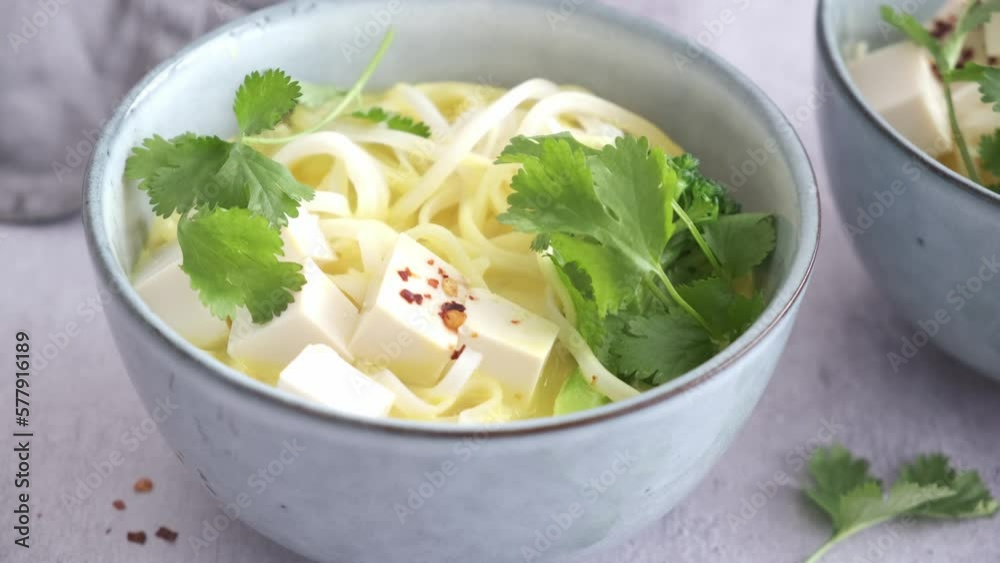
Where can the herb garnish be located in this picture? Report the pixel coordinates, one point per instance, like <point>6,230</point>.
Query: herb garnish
<point>394,121</point>
<point>233,200</point>
<point>607,220</point>
<point>929,487</point>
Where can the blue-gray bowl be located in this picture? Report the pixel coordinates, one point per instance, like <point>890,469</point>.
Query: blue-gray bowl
<point>927,235</point>
<point>337,488</point>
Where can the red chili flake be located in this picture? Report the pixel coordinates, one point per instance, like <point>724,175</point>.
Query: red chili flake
<point>411,297</point>
<point>136,537</point>
<point>405,274</point>
<point>143,485</point>
<point>453,314</point>
<point>992,61</point>
<point>118,504</point>
<point>442,273</point>
<point>427,296</point>
<point>458,353</point>
<point>433,283</point>
<point>515,322</point>
<point>942,28</point>
<point>472,298</point>
<point>430,262</point>
<point>967,55</point>
<point>166,534</point>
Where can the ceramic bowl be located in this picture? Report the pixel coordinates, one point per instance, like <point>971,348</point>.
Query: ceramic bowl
<point>926,234</point>
<point>336,488</point>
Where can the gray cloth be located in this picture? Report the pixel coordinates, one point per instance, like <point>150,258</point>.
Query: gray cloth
<point>64,66</point>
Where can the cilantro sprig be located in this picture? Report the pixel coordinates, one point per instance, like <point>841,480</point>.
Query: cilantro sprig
<point>234,200</point>
<point>620,223</point>
<point>928,487</point>
<point>946,53</point>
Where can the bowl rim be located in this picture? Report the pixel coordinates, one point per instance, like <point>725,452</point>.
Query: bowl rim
<point>787,295</point>
<point>833,59</point>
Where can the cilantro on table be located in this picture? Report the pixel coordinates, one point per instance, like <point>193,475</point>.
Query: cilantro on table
<point>947,58</point>
<point>616,222</point>
<point>233,200</point>
<point>928,487</point>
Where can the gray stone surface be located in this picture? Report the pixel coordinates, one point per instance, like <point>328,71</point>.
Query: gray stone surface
<point>835,374</point>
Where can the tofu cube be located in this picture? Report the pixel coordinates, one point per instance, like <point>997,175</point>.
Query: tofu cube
<point>410,321</point>
<point>303,240</point>
<point>991,35</point>
<point>166,289</point>
<point>320,314</point>
<point>898,82</point>
<point>514,342</point>
<point>321,375</point>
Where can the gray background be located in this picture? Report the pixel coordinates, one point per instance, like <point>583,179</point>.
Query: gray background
<point>835,373</point>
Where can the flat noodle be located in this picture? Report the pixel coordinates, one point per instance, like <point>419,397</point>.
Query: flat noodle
<point>463,140</point>
<point>572,102</point>
<point>369,184</point>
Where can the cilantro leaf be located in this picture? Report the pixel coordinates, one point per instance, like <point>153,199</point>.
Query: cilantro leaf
<point>977,14</point>
<point>317,95</point>
<point>728,313</point>
<point>741,242</point>
<point>178,174</point>
<point>916,32</point>
<point>836,473</point>
<point>628,179</point>
<point>553,191</point>
<point>989,152</point>
<point>613,284</point>
<point>969,498</point>
<point>989,87</point>
<point>662,347</point>
<point>855,500</point>
<point>148,158</point>
<point>521,148</point>
<point>589,322</point>
<point>577,394</point>
<point>395,121</point>
<point>264,99</point>
<point>251,180</point>
<point>231,257</point>
<point>613,199</point>
<point>700,197</point>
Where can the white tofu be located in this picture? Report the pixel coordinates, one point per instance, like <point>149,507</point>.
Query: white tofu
<point>514,342</point>
<point>320,314</point>
<point>898,82</point>
<point>402,326</point>
<point>303,239</point>
<point>991,35</point>
<point>166,289</point>
<point>320,374</point>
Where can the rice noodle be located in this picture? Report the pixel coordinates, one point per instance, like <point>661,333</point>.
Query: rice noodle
<point>369,184</point>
